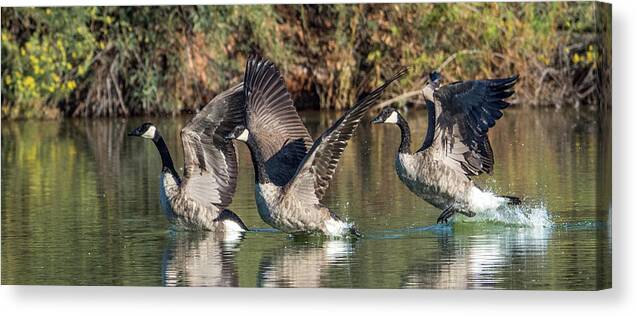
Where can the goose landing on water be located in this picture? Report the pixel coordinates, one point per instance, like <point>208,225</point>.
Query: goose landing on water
<point>456,146</point>
<point>292,177</point>
<point>199,200</point>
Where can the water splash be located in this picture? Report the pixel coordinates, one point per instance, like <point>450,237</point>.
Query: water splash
<point>525,215</point>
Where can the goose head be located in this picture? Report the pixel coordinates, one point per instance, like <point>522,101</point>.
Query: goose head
<point>388,115</point>
<point>146,130</point>
<point>240,132</point>
<point>431,85</point>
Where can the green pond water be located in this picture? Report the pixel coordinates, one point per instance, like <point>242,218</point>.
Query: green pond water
<point>80,207</point>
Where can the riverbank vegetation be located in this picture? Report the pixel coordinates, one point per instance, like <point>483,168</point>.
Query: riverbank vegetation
<point>120,61</point>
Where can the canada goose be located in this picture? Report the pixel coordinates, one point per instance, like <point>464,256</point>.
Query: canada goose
<point>456,146</point>
<point>199,200</point>
<point>290,179</point>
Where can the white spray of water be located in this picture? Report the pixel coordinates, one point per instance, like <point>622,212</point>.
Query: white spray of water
<point>516,215</point>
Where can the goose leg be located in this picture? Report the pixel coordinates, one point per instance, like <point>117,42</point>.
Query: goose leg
<point>446,214</point>
<point>467,213</point>
<point>450,211</point>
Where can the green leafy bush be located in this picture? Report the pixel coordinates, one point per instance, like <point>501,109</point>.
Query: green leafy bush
<point>108,61</point>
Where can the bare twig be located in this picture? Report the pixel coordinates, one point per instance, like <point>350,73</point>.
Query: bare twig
<point>545,72</point>
<point>401,97</point>
<point>454,55</point>
<point>415,93</point>
<point>117,90</point>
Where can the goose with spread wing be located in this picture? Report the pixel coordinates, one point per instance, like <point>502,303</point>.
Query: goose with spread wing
<point>456,146</point>
<point>292,174</point>
<point>200,199</point>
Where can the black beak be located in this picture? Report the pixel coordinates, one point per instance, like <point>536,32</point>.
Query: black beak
<point>377,120</point>
<point>230,136</point>
<point>134,132</point>
<point>235,132</point>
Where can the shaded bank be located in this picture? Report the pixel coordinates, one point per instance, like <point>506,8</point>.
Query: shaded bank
<point>120,61</point>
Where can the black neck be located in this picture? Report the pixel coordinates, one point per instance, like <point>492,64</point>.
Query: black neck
<point>166,160</point>
<point>431,124</point>
<point>260,174</point>
<point>405,135</point>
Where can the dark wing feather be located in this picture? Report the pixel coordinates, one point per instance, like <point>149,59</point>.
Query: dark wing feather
<point>315,172</point>
<point>273,121</point>
<point>210,161</point>
<point>466,111</point>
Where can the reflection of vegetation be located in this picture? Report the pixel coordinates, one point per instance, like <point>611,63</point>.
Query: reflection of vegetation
<point>105,61</point>
<point>80,206</point>
<point>70,203</point>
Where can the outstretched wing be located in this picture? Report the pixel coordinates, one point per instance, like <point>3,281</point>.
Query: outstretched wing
<point>210,161</point>
<point>315,172</point>
<point>273,121</point>
<point>466,111</point>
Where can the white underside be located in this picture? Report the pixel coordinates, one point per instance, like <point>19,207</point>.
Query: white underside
<point>232,231</point>
<point>232,226</point>
<point>337,228</point>
<point>480,201</point>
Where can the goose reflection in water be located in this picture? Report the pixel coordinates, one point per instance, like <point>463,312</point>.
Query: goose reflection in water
<point>201,259</point>
<point>476,260</point>
<point>303,264</point>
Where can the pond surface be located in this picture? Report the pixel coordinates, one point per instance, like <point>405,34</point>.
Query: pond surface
<point>80,207</point>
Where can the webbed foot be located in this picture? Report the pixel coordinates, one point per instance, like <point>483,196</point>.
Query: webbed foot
<point>446,215</point>
<point>467,213</point>
<point>450,211</point>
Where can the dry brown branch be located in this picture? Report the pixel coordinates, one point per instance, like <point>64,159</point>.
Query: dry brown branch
<point>415,93</point>
<point>401,97</point>
<point>117,90</point>
<point>454,55</point>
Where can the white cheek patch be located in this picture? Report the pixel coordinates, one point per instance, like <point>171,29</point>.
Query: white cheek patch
<point>150,132</point>
<point>393,118</point>
<point>244,136</point>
